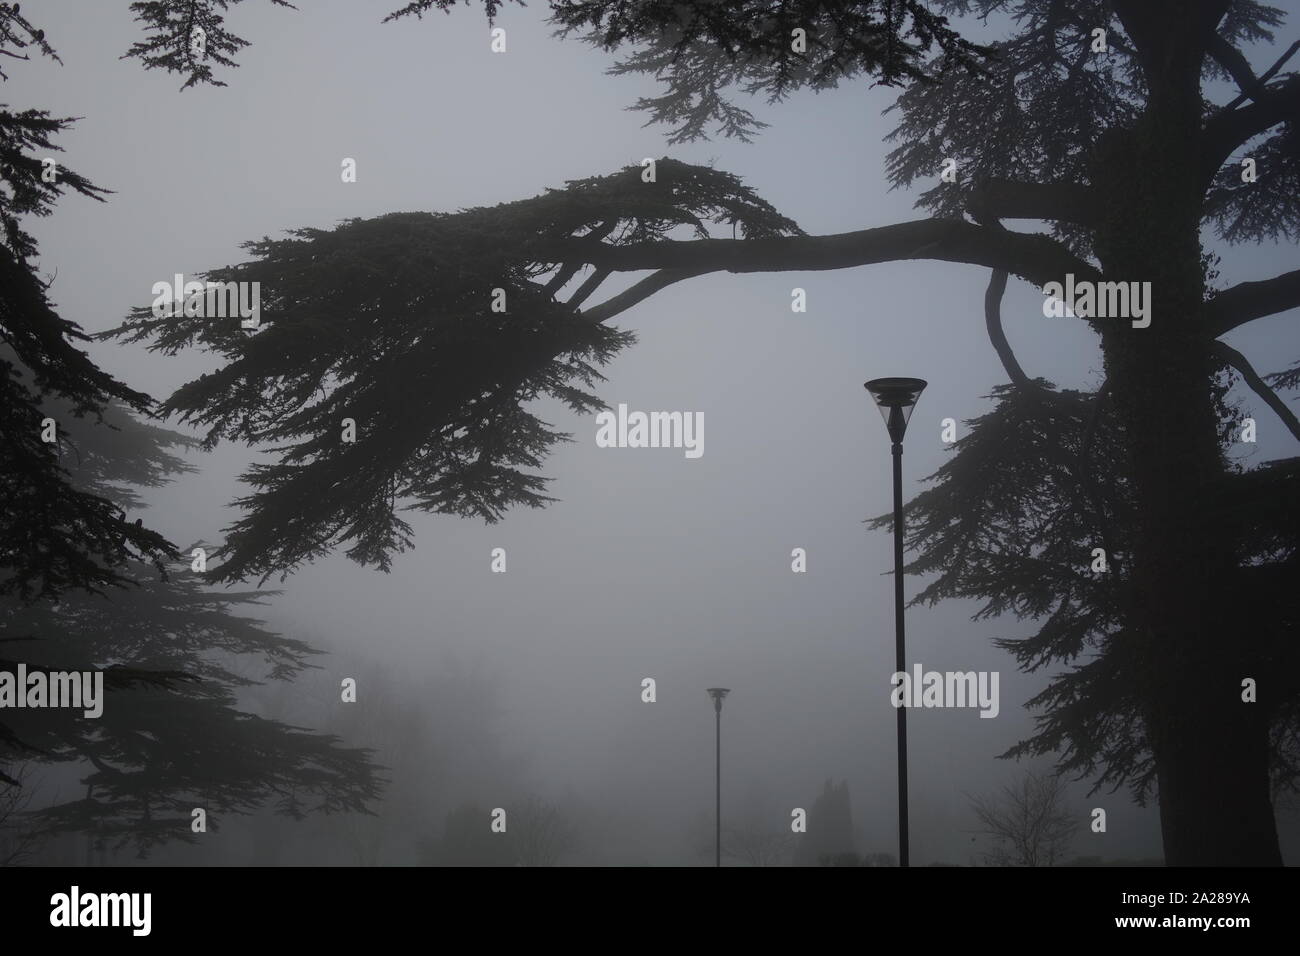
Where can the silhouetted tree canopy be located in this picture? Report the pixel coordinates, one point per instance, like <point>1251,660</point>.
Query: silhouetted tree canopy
<point>187,37</point>
<point>696,47</point>
<point>59,538</point>
<point>700,50</point>
<point>1048,475</point>
<point>172,735</point>
<point>1043,478</point>
<point>389,322</point>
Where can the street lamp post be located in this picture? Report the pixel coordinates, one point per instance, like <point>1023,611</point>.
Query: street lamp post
<point>717,693</point>
<point>896,397</point>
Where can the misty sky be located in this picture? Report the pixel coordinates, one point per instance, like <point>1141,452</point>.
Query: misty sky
<point>650,564</point>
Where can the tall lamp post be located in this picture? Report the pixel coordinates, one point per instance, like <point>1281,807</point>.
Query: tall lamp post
<point>896,397</point>
<point>717,693</point>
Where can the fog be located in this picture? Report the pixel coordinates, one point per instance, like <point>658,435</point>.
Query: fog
<point>483,689</point>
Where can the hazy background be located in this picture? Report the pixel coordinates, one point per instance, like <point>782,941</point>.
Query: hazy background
<point>650,565</point>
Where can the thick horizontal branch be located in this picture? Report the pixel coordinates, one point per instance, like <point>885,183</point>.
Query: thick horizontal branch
<point>1248,301</point>
<point>1036,258</point>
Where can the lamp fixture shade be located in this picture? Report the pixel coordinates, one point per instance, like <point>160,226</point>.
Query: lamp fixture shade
<point>896,397</point>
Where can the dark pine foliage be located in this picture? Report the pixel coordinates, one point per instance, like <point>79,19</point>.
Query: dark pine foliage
<point>187,37</point>
<point>54,537</point>
<point>701,50</point>
<point>698,48</point>
<point>389,322</point>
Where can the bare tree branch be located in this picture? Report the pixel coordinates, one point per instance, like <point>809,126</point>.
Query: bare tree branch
<point>1264,77</point>
<point>1029,822</point>
<point>639,292</point>
<point>993,321</point>
<point>587,288</point>
<point>542,833</point>
<point>1235,62</point>
<point>993,295</point>
<point>1037,258</point>
<point>1228,130</point>
<point>1270,397</point>
<point>1248,301</point>
<point>754,845</point>
<point>570,269</point>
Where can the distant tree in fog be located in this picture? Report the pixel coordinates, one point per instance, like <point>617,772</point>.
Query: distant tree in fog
<point>753,844</point>
<point>467,840</point>
<point>830,827</point>
<point>541,832</point>
<point>18,843</point>
<point>1029,821</point>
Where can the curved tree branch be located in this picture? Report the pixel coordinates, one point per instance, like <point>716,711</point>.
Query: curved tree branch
<point>1270,397</point>
<point>997,288</point>
<point>993,322</point>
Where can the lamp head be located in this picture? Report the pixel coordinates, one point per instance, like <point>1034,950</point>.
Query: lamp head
<point>895,397</point>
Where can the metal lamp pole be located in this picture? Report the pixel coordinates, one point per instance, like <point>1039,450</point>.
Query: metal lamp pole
<point>717,693</point>
<point>896,397</point>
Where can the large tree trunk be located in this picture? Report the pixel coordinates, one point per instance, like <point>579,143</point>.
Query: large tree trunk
<point>1210,748</point>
